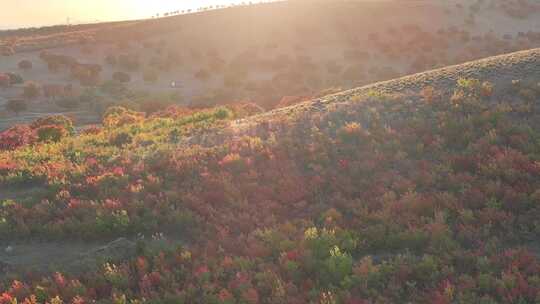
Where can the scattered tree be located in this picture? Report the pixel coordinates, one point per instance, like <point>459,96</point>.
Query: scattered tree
<point>50,133</point>
<point>15,78</point>
<point>31,90</point>
<point>61,121</point>
<point>17,136</point>
<point>52,91</point>
<point>25,65</point>
<point>87,74</point>
<point>17,106</point>
<point>5,80</point>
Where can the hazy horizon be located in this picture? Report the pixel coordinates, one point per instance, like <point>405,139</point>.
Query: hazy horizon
<point>30,13</point>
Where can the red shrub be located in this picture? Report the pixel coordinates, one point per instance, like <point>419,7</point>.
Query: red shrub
<point>17,136</point>
<point>5,80</point>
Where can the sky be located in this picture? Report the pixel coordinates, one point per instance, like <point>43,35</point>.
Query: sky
<point>30,13</point>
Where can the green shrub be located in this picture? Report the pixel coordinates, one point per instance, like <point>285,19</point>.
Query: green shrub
<point>51,133</point>
<point>60,121</point>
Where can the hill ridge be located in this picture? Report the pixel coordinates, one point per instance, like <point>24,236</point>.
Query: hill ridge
<point>501,70</point>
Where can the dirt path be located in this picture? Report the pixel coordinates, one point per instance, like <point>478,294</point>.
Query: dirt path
<point>11,193</point>
<point>66,256</point>
<point>73,256</point>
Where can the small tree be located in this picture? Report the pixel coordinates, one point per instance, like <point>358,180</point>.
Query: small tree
<point>50,133</point>
<point>60,121</point>
<point>16,136</point>
<point>25,65</point>
<point>121,77</point>
<point>52,91</point>
<point>87,74</point>
<point>16,106</point>
<point>5,80</point>
<point>15,78</point>
<point>31,90</point>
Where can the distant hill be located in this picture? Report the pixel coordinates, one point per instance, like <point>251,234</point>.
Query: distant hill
<point>270,54</point>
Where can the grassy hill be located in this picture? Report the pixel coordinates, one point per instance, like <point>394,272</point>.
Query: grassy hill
<point>422,189</point>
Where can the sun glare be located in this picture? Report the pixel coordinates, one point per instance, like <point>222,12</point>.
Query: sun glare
<point>50,12</point>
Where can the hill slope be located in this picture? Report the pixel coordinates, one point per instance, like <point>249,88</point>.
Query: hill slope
<point>286,54</point>
<point>503,71</point>
<point>422,189</point>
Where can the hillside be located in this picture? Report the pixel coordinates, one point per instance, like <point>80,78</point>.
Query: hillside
<point>422,189</point>
<point>500,70</point>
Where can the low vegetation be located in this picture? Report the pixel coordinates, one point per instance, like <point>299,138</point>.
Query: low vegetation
<point>421,198</point>
<point>182,189</point>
